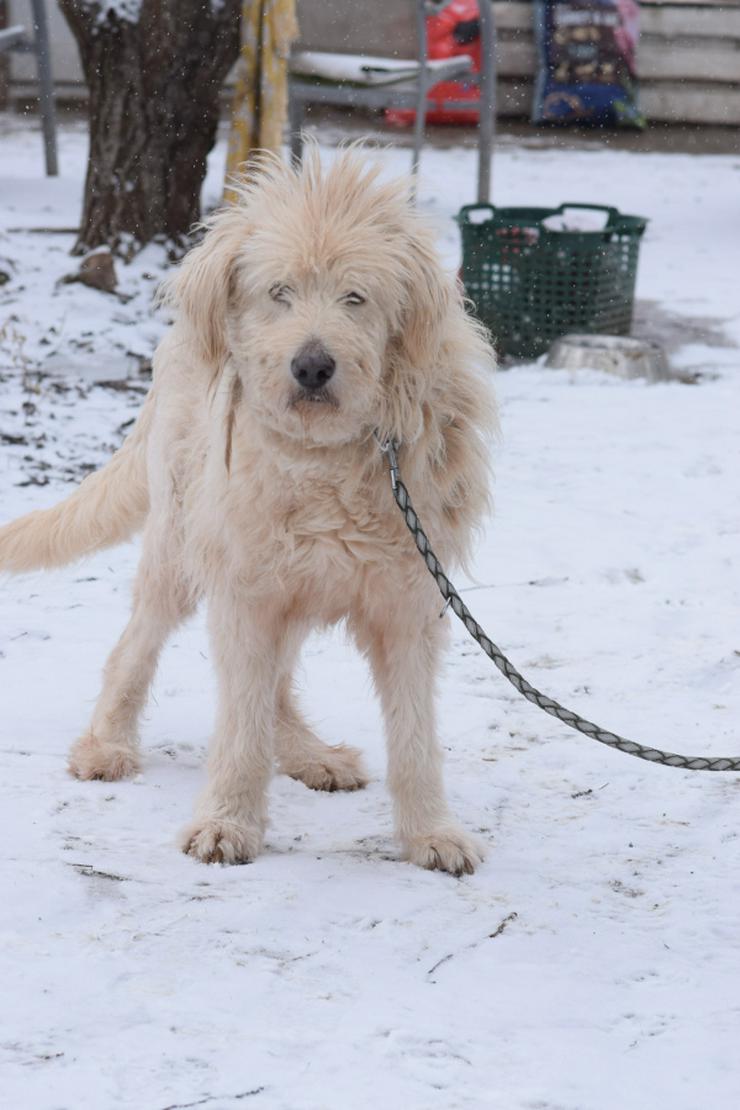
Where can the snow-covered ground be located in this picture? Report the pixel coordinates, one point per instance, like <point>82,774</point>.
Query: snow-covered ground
<point>593,962</point>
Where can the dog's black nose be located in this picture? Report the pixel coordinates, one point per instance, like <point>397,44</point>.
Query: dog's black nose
<point>313,366</point>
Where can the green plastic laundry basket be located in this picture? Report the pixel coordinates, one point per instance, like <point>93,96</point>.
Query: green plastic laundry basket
<point>530,285</point>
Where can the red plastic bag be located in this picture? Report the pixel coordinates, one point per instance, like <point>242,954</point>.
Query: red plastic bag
<point>455,31</point>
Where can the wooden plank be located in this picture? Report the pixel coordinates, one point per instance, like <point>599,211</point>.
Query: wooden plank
<point>512,17</point>
<point>722,23</point>
<point>517,58</point>
<point>355,27</point>
<point>688,63</point>
<point>647,3</point>
<point>655,62</point>
<point>686,104</point>
<point>662,103</point>
<point>692,3</point>
<point>683,19</point>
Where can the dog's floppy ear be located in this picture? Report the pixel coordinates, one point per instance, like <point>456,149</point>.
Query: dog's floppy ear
<point>202,285</point>
<point>427,303</point>
<point>416,347</point>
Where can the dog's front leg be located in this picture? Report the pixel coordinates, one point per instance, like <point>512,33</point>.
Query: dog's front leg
<point>249,648</point>
<point>404,648</point>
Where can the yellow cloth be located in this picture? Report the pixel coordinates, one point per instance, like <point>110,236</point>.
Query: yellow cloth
<point>261,99</point>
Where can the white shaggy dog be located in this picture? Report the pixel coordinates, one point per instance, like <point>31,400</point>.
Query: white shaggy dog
<point>314,312</point>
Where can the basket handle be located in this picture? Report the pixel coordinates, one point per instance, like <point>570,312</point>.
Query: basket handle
<point>464,213</point>
<point>613,212</point>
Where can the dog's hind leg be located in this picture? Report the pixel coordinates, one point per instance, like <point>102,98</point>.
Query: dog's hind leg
<point>110,748</point>
<point>301,755</point>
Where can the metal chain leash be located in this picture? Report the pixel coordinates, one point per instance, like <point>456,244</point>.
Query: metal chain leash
<point>508,670</point>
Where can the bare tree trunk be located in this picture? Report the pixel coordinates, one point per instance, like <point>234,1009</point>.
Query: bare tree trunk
<point>154,69</point>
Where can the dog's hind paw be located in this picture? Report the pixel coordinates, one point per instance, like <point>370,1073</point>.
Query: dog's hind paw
<point>222,841</point>
<point>448,849</point>
<point>93,758</point>
<point>330,768</point>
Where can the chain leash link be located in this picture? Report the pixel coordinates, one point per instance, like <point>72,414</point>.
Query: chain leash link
<point>508,670</point>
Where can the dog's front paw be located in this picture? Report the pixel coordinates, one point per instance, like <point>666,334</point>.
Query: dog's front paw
<point>93,758</point>
<point>220,840</point>
<point>332,768</point>
<point>447,849</point>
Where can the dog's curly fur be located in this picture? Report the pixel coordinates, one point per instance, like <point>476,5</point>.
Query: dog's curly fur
<point>273,501</point>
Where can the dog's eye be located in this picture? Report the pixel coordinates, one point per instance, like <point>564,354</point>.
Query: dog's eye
<point>353,298</point>
<point>280,292</point>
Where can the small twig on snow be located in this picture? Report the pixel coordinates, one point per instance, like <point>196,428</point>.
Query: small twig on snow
<point>213,1098</point>
<point>491,936</point>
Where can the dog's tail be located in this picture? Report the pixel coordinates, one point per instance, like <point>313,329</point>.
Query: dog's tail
<point>108,507</point>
